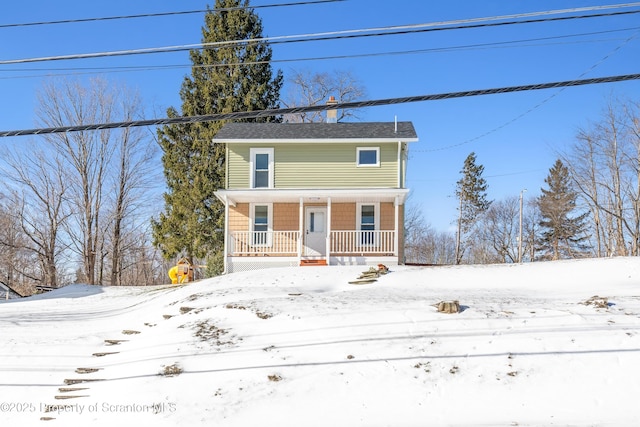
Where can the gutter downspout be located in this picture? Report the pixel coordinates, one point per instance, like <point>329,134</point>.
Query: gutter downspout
<point>400,183</point>
<point>328,242</point>
<point>226,166</point>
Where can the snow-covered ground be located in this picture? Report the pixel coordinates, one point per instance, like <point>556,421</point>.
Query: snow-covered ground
<point>303,347</point>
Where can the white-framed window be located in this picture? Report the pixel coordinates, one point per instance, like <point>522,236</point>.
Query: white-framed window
<point>368,221</point>
<point>368,156</point>
<point>261,223</point>
<point>261,168</point>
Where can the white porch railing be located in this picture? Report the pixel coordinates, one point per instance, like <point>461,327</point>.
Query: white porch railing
<point>286,243</point>
<point>264,242</point>
<point>362,242</point>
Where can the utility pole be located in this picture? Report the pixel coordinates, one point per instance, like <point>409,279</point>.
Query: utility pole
<point>520,236</point>
<point>458,237</point>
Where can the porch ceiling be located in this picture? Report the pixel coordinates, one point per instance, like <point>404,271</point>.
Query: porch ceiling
<point>313,195</point>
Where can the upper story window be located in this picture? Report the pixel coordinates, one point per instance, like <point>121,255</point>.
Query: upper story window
<point>368,156</point>
<point>261,166</point>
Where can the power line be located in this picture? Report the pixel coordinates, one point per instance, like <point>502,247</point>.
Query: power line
<point>457,27</point>
<point>295,110</point>
<point>338,35</point>
<point>153,15</point>
<point>539,104</point>
<point>52,72</point>
<point>476,46</point>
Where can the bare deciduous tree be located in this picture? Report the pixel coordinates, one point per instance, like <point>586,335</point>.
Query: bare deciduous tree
<point>41,187</point>
<point>531,230</point>
<point>86,153</point>
<point>108,171</point>
<point>423,244</point>
<point>584,166</point>
<point>307,89</point>
<point>18,265</point>
<point>141,262</point>
<point>499,230</point>
<point>134,172</point>
<point>605,165</point>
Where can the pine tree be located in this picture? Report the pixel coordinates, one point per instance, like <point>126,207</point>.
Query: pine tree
<point>563,235</point>
<point>226,76</point>
<point>471,191</point>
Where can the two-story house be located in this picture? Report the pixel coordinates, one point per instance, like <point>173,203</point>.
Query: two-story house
<point>314,193</point>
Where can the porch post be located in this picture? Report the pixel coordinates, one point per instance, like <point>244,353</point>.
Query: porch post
<point>396,238</point>
<point>328,248</point>
<point>301,229</point>
<point>226,234</point>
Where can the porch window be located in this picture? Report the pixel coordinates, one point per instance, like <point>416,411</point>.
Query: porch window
<point>261,167</point>
<point>368,221</point>
<point>261,216</point>
<point>368,156</point>
<point>316,222</point>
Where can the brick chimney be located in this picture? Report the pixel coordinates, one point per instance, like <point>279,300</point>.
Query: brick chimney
<point>332,114</point>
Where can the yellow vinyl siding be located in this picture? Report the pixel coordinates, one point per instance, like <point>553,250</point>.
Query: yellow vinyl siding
<point>238,160</point>
<point>317,165</point>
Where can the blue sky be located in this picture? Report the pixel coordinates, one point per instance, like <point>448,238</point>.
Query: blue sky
<point>516,137</point>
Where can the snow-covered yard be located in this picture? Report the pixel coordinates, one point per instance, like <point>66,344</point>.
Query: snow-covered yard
<point>303,347</point>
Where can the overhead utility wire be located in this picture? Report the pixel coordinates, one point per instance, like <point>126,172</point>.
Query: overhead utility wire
<point>539,104</point>
<point>456,27</point>
<point>153,15</point>
<point>333,35</point>
<point>475,46</point>
<point>294,110</point>
<point>351,56</point>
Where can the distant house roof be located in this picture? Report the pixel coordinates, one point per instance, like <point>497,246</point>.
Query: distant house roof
<point>300,132</point>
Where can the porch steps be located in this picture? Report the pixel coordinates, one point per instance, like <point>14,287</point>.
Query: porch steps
<point>312,262</point>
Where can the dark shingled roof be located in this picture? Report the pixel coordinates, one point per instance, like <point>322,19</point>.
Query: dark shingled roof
<point>295,131</point>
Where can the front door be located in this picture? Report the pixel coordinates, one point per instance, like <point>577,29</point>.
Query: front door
<point>315,237</point>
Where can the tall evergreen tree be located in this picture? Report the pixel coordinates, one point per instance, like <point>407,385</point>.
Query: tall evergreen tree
<point>231,73</point>
<point>563,235</point>
<point>471,191</point>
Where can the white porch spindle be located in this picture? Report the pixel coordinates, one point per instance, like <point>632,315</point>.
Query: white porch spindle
<point>288,243</point>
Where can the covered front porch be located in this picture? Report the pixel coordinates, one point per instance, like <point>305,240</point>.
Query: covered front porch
<point>269,228</point>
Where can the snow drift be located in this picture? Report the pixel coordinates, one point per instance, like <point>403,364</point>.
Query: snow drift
<point>551,343</point>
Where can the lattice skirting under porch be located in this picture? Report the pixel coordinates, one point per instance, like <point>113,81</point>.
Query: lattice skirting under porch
<point>239,264</point>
